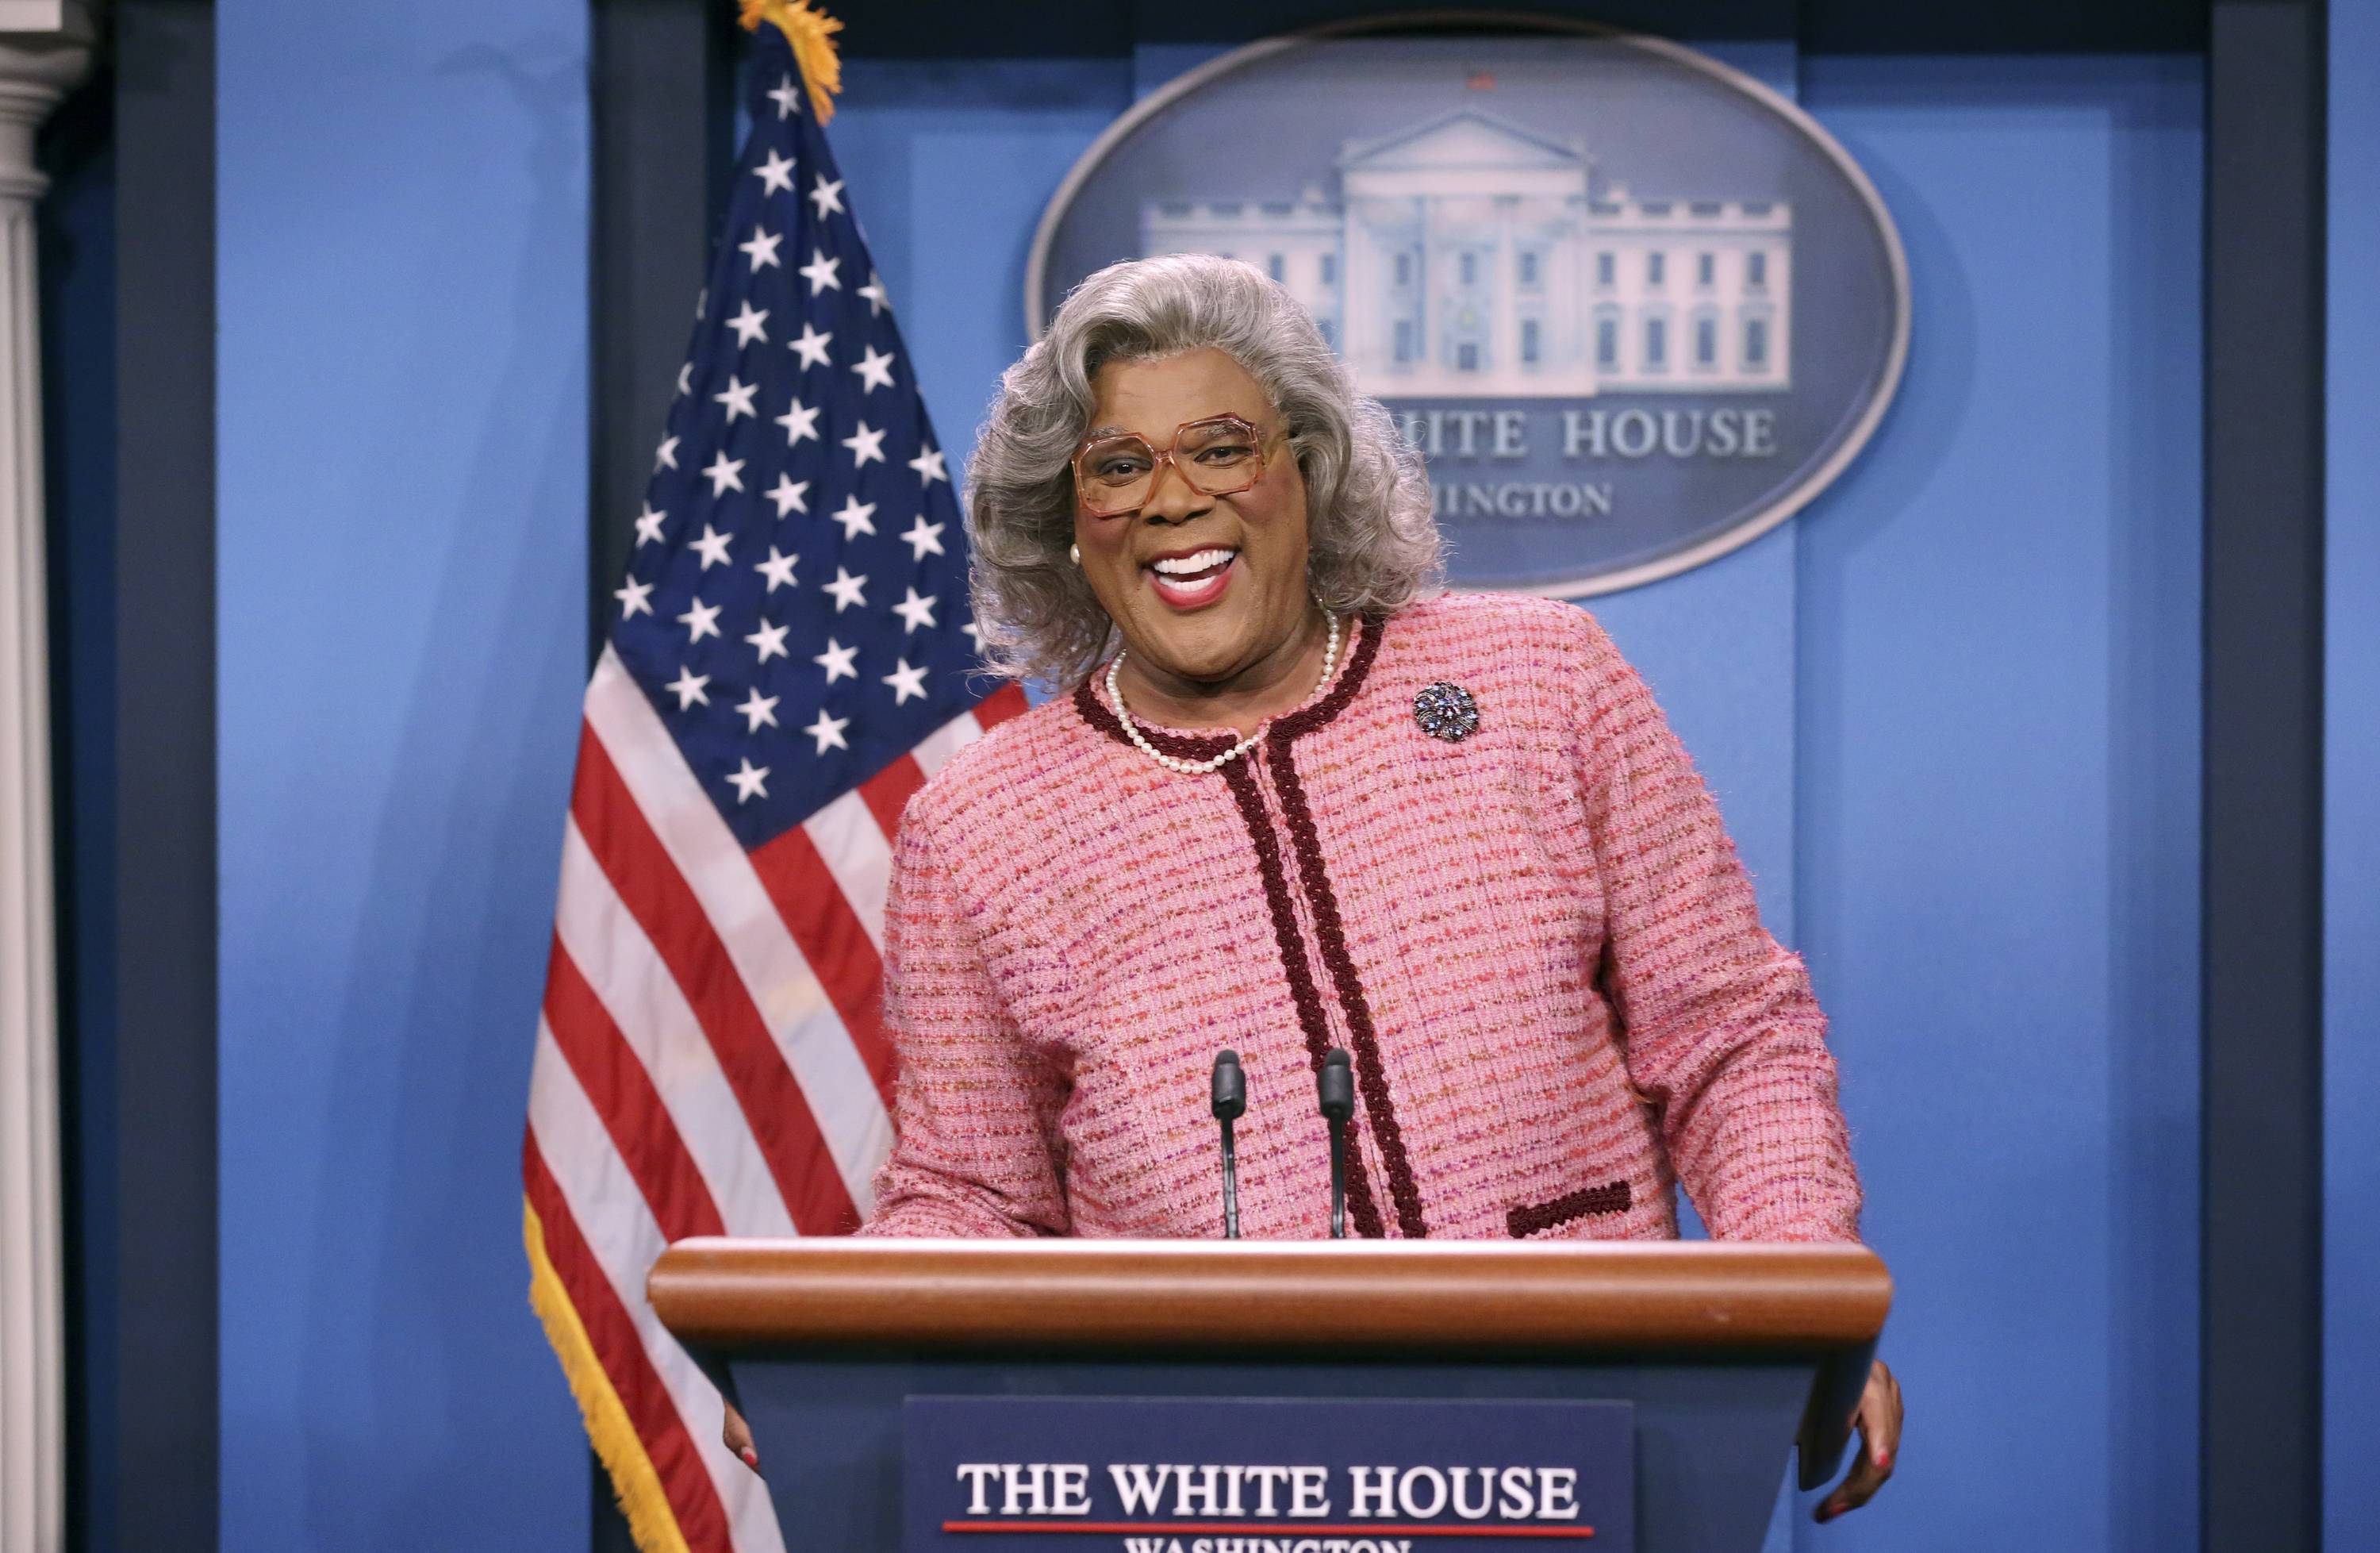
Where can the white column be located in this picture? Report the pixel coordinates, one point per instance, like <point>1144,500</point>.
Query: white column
<point>44,50</point>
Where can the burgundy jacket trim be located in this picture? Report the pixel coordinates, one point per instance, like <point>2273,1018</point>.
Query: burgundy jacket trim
<point>1362,649</point>
<point>1180,746</point>
<point>1302,990</point>
<point>1614,1198</point>
<point>1360,654</point>
<point>1371,1075</point>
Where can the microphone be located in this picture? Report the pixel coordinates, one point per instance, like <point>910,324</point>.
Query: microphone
<point>1334,1087</point>
<point>1230,1090</point>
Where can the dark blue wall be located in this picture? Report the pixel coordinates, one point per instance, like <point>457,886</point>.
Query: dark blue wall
<point>77,275</point>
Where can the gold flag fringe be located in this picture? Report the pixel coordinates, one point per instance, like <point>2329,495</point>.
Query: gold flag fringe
<point>634,1481</point>
<point>812,35</point>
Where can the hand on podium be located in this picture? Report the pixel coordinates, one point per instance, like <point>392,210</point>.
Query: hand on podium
<point>738,1436</point>
<point>1878,1419</point>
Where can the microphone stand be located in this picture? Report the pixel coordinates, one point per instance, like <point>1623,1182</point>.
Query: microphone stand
<point>1230,1097</point>
<point>1335,1091</point>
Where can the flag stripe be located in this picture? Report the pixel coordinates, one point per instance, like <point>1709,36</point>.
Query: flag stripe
<point>821,921</point>
<point>623,1242</point>
<point>857,858</point>
<point>643,1001</point>
<point>888,792</point>
<point>936,748</point>
<point>1002,705</point>
<point>623,1094</point>
<point>776,977</point>
<point>701,1520</point>
<point>807,1175</point>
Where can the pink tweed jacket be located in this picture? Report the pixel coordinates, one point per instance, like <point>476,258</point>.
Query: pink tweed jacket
<point>1536,942</point>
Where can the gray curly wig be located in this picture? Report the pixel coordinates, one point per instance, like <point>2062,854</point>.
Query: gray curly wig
<point>1372,542</point>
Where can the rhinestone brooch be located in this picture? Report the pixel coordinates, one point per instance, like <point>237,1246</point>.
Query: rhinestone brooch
<point>1446,711</point>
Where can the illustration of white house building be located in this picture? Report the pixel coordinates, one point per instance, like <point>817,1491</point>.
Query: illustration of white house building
<point>1468,256</point>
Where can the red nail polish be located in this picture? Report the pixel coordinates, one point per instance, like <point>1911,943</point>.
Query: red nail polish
<point>751,1458</point>
<point>1885,1460</point>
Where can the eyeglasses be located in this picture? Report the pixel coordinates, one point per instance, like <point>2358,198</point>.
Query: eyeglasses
<point>1219,456</point>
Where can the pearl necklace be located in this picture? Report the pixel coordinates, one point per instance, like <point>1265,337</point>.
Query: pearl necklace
<point>1197,768</point>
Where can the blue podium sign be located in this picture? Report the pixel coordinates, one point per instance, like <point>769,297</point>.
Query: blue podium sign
<point>1065,1474</point>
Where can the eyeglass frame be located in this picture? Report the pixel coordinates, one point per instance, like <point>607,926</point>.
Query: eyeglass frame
<point>1166,460</point>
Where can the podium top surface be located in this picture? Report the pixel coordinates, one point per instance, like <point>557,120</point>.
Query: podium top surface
<point>1309,1295</point>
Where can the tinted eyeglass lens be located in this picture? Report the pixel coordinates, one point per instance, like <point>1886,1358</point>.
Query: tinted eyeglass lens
<point>1117,469</point>
<point>1217,457</point>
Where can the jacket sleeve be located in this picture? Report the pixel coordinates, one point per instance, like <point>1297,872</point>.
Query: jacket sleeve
<point>975,1113</point>
<point>1723,1033</point>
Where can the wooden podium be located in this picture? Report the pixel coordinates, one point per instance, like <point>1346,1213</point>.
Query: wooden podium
<point>1731,1353</point>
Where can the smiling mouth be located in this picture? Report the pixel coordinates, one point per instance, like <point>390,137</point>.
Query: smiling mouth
<point>1185,581</point>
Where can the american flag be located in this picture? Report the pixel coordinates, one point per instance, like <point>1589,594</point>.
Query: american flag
<point>790,657</point>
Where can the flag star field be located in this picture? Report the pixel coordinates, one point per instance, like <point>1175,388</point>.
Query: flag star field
<point>796,606</point>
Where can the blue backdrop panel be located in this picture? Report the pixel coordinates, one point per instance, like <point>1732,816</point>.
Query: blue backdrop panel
<point>1999,795</point>
<point>402,599</point>
<point>2352,799</point>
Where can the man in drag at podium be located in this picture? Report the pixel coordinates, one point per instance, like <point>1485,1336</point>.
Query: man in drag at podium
<point>1298,798</point>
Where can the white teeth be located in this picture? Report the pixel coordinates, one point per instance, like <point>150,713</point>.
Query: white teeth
<point>1184,565</point>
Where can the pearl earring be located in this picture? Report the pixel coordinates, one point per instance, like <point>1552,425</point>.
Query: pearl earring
<point>1074,554</point>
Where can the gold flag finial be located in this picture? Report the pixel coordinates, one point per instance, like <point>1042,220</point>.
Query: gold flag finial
<point>811,31</point>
